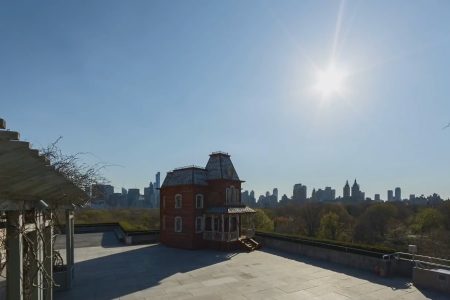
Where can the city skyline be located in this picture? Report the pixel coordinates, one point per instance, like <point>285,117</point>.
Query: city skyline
<point>295,92</point>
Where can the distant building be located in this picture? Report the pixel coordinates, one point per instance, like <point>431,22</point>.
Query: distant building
<point>124,200</point>
<point>398,194</point>
<point>346,192</point>
<point>149,195</point>
<point>328,194</point>
<point>100,195</point>
<point>412,197</point>
<point>357,195</point>
<point>299,193</point>
<point>284,200</point>
<point>248,198</point>
<point>275,194</point>
<point>133,197</point>
<point>268,200</point>
<point>377,197</point>
<point>390,195</point>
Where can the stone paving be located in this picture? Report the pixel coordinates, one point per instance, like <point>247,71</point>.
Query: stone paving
<point>108,270</point>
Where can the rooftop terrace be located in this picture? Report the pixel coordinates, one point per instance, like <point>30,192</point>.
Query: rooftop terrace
<point>106,269</point>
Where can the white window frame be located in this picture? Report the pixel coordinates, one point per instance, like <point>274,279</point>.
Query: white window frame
<point>175,224</point>
<point>181,201</point>
<point>202,224</point>
<point>201,201</point>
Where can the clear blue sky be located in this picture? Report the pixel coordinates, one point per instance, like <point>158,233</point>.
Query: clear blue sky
<point>154,85</point>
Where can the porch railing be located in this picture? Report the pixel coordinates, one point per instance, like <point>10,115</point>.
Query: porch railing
<point>218,236</point>
<point>248,232</point>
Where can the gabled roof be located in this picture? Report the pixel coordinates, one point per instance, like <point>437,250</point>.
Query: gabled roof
<point>219,166</point>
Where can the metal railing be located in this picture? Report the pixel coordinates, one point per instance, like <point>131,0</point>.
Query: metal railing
<point>422,261</point>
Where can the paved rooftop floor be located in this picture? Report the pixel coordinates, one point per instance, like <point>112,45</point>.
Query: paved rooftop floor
<point>107,270</point>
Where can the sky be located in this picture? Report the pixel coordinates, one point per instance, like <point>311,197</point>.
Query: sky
<point>147,86</point>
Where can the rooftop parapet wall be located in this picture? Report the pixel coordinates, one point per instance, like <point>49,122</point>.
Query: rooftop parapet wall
<point>356,258</point>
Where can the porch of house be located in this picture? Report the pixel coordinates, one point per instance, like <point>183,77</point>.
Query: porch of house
<point>226,227</point>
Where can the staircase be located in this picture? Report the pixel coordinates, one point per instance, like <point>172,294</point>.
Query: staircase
<point>249,244</point>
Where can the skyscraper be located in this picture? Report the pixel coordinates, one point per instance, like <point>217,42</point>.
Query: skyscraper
<point>275,194</point>
<point>156,191</point>
<point>390,195</point>
<point>299,193</point>
<point>157,180</point>
<point>377,197</point>
<point>356,192</point>
<point>346,193</point>
<point>398,194</point>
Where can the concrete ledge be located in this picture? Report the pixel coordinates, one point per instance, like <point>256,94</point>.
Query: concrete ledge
<point>127,237</point>
<point>373,262</point>
<point>435,279</point>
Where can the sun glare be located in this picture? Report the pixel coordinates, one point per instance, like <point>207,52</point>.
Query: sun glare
<point>330,82</point>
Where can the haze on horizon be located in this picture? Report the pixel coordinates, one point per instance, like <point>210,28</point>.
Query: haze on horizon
<point>311,92</point>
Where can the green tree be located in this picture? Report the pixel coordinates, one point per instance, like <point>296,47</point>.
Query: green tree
<point>426,220</point>
<point>373,224</point>
<point>310,217</point>
<point>329,226</point>
<point>262,221</point>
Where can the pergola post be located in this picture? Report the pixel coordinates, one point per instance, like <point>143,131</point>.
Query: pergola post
<point>48,259</point>
<point>223,227</point>
<point>238,225</point>
<point>69,246</point>
<point>212,227</point>
<point>36,238</point>
<point>229,227</point>
<point>14,248</point>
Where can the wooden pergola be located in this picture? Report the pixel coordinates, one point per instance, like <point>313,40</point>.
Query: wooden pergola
<point>31,189</point>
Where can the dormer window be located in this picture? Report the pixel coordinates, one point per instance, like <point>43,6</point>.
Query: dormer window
<point>232,195</point>
<point>199,201</point>
<point>178,201</point>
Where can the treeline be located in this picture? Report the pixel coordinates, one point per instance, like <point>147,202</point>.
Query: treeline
<point>395,225</point>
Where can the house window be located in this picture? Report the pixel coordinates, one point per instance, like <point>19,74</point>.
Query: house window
<point>231,195</point>
<point>178,200</point>
<point>178,224</point>
<point>164,222</point>
<point>208,225</point>
<point>199,201</point>
<point>164,202</point>
<point>217,224</point>
<point>199,224</point>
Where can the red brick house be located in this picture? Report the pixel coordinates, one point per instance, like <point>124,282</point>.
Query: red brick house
<point>201,207</point>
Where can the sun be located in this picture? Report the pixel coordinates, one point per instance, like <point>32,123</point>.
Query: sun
<point>330,81</point>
